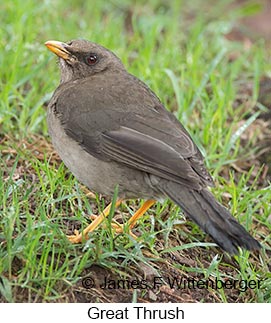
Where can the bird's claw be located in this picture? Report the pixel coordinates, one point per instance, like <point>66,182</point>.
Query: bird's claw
<point>76,237</point>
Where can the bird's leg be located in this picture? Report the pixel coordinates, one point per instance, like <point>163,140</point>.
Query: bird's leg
<point>77,237</point>
<point>132,221</point>
<point>141,211</point>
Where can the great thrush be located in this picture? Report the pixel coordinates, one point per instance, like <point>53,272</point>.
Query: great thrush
<point>110,129</point>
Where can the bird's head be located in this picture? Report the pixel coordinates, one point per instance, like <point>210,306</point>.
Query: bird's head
<point>82,58</point>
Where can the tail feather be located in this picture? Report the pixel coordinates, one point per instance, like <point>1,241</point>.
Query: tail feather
<point>211,216</point>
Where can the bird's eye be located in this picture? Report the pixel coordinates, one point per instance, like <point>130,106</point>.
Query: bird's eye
<point>91,59</point>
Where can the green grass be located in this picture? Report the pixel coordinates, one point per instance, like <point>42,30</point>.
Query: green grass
<point>187,63</point>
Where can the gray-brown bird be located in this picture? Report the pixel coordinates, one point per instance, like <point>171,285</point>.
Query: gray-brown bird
<point>110,129</point>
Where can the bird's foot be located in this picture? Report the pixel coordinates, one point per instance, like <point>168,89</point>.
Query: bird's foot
<point>120,228</point>
<point>76,237</point>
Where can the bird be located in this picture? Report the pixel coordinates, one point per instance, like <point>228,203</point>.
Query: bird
<point>111,130</point>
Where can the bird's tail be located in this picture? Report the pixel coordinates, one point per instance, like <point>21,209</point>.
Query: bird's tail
<point>202,207</point>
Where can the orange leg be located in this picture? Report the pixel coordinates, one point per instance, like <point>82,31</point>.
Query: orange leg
<point>77,237</point>
<point>144,208</point>
<point>132,221</point>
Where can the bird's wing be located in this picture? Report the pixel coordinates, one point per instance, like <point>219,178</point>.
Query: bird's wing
<point>148,154</point>
<point>146,138</point>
